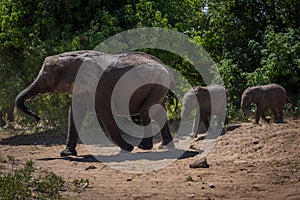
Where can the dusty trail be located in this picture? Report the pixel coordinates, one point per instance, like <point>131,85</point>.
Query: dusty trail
<point>249,162</point>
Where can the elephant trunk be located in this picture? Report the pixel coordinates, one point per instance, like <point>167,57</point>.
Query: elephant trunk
<point>243,106</point>
<point>29,93</point>
<point>185,112</point>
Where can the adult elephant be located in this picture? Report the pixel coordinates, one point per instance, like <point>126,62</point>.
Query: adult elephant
<point>58,74</point>
<point>209,100</point>
<point>271,96</point>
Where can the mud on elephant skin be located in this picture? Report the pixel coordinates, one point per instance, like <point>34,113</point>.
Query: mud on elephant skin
<point>208,101</point>
<point>271,96</point>
<point>58,74</point>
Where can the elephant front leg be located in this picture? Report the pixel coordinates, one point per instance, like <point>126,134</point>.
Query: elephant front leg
<point>258,114</point>
<point>261,113</point>
<point>196,124</point>
<point>72,137</point>
<point>222,122</point>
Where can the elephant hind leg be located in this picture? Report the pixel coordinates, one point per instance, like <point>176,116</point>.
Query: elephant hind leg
<point>147,141</point>
<point>156,96</point>
<point>280,115</point>
<point>205,118</point>
<point>111,127</point>
<point>166,136</point>
<point>257,116</point>
<point>222,122</point>
<point>275,114</point>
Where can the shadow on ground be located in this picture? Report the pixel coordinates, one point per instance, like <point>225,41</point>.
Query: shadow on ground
<point>154,156</point>
<point>46,138</point>
<point>58,137</point>
<point>233,127</point>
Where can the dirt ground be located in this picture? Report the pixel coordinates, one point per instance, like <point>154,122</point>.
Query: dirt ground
<point>248,162</point>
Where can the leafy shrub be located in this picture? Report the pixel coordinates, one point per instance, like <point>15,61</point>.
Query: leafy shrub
<point>253,42</point>
<point>20,184</point>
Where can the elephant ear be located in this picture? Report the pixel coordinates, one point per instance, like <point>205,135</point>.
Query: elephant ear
<point>258,95</point>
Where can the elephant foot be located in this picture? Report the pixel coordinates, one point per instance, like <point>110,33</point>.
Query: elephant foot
<point>223,131</point>
<point>268,120</point>
<point>279,121</point>
<point>226,120</point>
<point>127,148</point>
<point>145,145</point>
<point>193,135</point>
<point>124,152</point>
<point>68,152</point>
<point>169,146</point>
<point>2,123</point>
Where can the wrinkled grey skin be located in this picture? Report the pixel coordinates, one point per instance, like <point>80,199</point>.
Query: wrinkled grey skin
<point>272,96</point>
<point>58,74</point>
<point>200,98</point>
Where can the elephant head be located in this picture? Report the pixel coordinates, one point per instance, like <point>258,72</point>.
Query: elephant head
<point>189,102</point>
<point>193,99</point>
<point>56,76</point>
<point>251,95</point>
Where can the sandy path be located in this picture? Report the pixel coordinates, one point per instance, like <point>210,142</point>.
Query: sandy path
<point>249,162</point>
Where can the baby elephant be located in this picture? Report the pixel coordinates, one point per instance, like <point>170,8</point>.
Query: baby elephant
<point>272,96</point>
<point>209,100</point>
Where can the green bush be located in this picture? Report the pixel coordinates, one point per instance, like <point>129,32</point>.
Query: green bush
<point>253,42</point>
<point>20,183</point>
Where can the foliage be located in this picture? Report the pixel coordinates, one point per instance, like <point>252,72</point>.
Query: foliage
<point>252,42</point>
<point>189,178</point>
<point>259,44</point>
<point>281,57</point>
<point>20,184</point>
